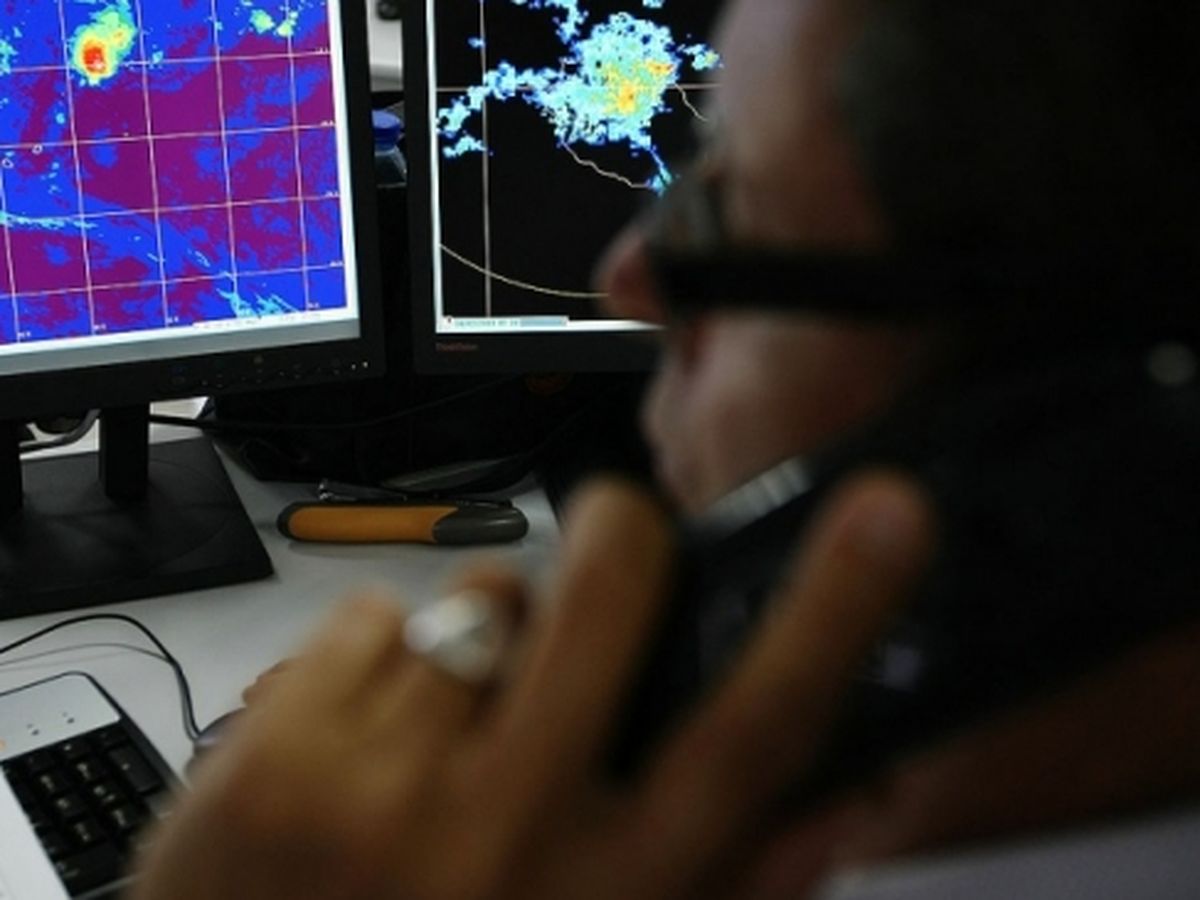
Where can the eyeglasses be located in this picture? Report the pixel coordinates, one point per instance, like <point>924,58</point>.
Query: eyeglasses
<point>698,267</point>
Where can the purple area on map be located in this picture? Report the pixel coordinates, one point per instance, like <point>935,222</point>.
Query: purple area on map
<point>184,99</point>
<point>314,91</point>
<point>201,300</point>
<point>323,232</point>
<point>5,279</point>
<point>326,288</point>
<point>267,236</point>
<point>318,161</point>
<point>33,108</point>
<point>39,182</point>
<point>122,250</point>
<point>258,93</point>
<point>178,29</point>
<point>191,171</point>
<point>128,308</point>
<point>117,176</point>
<point>264,292</point>
<point>313,34</point>
<point>46,260</point>
<point>55,315</point>
<point>196,242</point>
<point>114,108</point>
<point>263,166</point>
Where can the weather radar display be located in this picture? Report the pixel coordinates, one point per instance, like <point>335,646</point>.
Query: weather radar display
<point>166,167</point>
<point>555,121</point>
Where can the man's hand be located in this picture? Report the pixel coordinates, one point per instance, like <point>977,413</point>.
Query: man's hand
<point>366,772</point>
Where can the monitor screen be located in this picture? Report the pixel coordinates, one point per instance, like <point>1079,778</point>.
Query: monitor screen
<point>186,209</point>
<point>176,187</point>
<point>536,130</point>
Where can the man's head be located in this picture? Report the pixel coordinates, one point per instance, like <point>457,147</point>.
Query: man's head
<point>904,125</point>
<point>1062,126</point>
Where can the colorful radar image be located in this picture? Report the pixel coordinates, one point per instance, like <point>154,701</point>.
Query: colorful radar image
<point>165,164</point>
<point>557,120</point>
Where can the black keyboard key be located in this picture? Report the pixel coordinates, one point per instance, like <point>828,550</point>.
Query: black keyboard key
<point>130,763</point>
<point>25,795</point>
<point>87,771</point>
<point>87,832</point>
<point>55,845</point>
<point>38,761</point>
<point>37,817</point>
<point>105,794</point>
<point>51,783</point>
<point>127,819</point>
<point>112,736</point>
<point>68,807</point>
<point>91,868</point>
<point>74,749</point>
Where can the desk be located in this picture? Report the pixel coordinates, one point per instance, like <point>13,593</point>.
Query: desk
<point>224,637</point>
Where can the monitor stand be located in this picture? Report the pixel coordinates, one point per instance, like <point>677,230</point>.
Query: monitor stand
<point>138,520</point>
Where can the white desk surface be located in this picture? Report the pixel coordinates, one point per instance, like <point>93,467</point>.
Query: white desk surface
<point>224,637</point>
<point>386,55</point>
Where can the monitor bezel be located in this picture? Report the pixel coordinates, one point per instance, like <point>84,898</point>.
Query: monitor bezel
<point>434,354</point>
<point>28,395</point>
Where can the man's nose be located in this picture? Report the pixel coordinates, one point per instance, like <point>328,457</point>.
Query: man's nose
<point>627,280</point>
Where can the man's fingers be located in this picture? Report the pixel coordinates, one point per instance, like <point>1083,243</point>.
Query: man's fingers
<point>613,578</point>
<point>342,663</point>
<point>258,690</point>
<point>438,703</point>
<point>860,560</point>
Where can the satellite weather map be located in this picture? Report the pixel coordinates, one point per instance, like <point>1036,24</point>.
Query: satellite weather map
<point>165,166</point>
<point>557,120</point>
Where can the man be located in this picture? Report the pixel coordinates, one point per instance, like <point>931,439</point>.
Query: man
<point>370,770</point>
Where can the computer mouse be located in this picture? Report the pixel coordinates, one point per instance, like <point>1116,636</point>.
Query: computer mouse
<point>211,736</point>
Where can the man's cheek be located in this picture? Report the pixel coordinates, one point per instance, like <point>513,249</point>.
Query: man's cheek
<point>671,441</point>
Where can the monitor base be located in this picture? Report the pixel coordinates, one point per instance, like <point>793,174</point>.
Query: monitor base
<point>70,545</point>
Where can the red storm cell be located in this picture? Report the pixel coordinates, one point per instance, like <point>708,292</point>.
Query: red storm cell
<point>95,58</point>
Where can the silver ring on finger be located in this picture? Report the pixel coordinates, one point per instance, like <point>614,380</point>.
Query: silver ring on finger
<point>462,634</point>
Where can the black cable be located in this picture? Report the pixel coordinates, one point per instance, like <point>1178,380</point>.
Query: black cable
<point>226,425</point>
<point>190,727</point>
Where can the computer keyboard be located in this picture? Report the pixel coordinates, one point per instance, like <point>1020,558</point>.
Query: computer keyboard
<point>86,783</point>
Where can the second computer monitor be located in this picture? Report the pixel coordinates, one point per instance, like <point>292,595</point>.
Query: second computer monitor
<point>536,130</point>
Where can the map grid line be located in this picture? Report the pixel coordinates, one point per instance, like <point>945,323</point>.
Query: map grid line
<point>8,256</point>
<point>89,290</point>
<point>299,165</point>
<point>221,115</point>
<point>161,252</point>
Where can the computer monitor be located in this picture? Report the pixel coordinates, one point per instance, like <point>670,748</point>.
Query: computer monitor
<point>536,129</point>
<point>184,185</point>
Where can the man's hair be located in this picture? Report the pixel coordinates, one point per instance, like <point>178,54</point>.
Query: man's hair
<point>1039,125</point>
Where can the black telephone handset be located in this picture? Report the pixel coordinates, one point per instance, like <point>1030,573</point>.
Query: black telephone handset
<point>1068,502</point>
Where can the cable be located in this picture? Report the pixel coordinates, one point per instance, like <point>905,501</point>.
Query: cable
<point>190,727</point>
<point>273,427</point>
